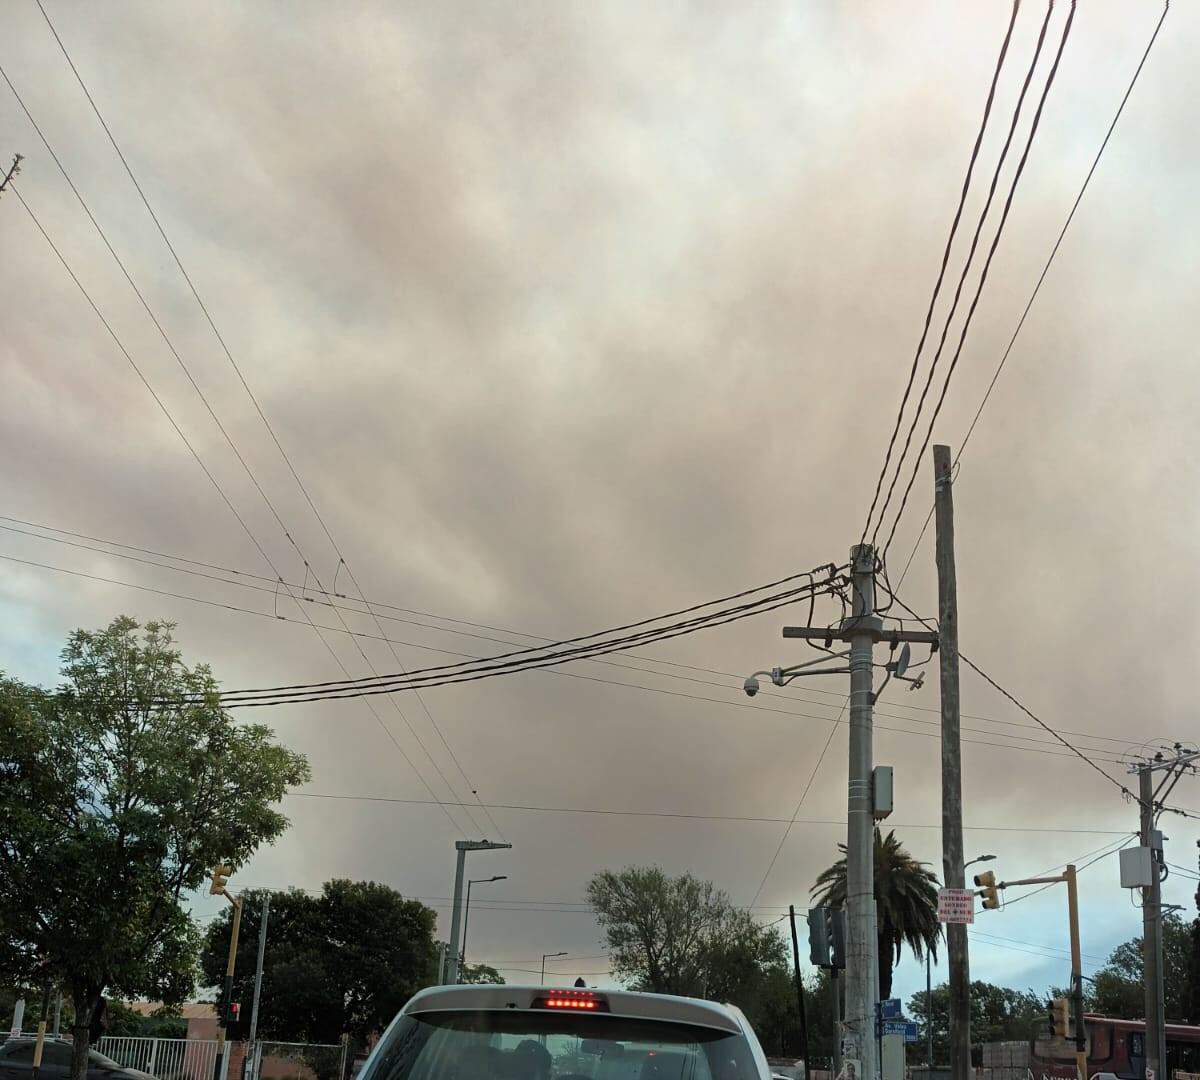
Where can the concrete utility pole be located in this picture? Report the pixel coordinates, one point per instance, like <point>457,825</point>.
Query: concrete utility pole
<point>862,960</point>
<point>862,629</point>
<point>953,870</point>
<point>1156,1050</point>
<point>1150,803</point>
<point>462,847</point>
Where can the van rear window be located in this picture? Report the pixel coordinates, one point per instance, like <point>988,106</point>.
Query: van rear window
<point>552,1045</point>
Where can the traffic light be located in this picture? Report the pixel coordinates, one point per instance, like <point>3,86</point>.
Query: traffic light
<point>827,937</point>
<point>220,877</point>
<point>837,939</point>
<point>818,937</point>
<point>1060,1017</point>
<point>986,883</point>
<point>233,1012</point>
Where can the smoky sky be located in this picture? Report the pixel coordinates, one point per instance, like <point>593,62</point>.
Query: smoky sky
<point>570,314</point>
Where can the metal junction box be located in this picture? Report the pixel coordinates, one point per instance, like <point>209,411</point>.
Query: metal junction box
<point>1137,868</point>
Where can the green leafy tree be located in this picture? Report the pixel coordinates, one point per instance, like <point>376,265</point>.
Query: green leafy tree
<point>906,896</point>
<point>1117,987</point>
<point>120,788</point>
<point>822,1031</point>
<point>342,962</point>
<point>480,975</point>
<point>998,1014</point>
<point>774,1012</point>
<point>122,1020</point>
<point>681,935</point>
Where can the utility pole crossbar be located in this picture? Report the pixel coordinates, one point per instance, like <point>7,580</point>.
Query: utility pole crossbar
<point>851,627</point>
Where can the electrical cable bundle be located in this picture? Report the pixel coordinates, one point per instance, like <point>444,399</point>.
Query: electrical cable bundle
<point>813,583</point>
<point>878,519</point>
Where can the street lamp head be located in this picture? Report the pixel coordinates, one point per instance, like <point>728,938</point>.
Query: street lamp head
<point>479,845</point>
<point>499,877</point>
<point>980,858</point>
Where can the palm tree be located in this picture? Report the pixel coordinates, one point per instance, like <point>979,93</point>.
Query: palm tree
<point>906,900</point>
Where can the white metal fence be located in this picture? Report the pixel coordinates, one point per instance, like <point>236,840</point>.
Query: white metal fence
<point>195,1059</point>
<point>297,1061</point>
<point>167,1059</point>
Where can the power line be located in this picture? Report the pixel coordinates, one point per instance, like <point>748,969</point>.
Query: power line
<point>1025,709</point>
<point>1066,225</point>
<point>505,663</point>
<point>1049,952</point>
<point>1042,277</point>
<point>207,472</point>
<point>966,269</point>
<point>212,413</point>
<point>786,596</point>
<point>937,287</point>
<point>271,588</point>
<point>1037,116</point>
<point>682,816</point>
<point>803,795</point>
<point>552,671</point>
<point>1107,850</point>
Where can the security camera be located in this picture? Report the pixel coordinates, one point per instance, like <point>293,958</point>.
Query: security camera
<point>751,686</point>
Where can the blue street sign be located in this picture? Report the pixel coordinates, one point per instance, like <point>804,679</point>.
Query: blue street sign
<point>907,1028</point>
<point>890,1009</point>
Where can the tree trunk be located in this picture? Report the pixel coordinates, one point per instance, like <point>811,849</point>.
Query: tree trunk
<point>86,996</point>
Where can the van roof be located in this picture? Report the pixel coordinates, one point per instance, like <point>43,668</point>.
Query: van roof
<point>677,1010</point>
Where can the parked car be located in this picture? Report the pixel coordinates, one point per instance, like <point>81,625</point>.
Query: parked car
<point>536,1033</point>
<point>16,1062</point>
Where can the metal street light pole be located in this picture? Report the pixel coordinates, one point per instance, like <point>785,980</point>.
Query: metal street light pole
<point>467,911</point>
<point>549,956</point>
<point>462,847</point>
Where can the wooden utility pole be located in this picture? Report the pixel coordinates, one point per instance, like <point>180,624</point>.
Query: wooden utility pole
<point>953,872</point>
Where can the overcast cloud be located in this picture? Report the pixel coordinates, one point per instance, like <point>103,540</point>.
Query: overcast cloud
<point>568,314</point>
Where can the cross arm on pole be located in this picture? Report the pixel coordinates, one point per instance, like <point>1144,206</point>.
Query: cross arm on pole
<point>845,632</point>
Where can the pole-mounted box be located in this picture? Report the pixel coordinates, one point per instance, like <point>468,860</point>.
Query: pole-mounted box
<point>1137,868</point>
<point>881,791</point>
